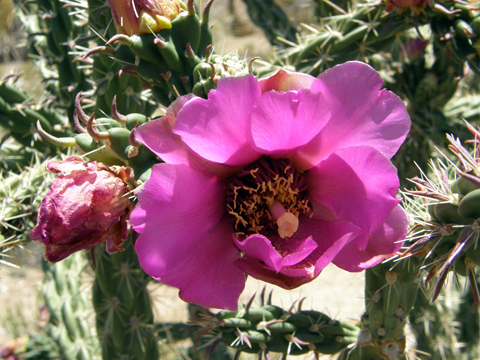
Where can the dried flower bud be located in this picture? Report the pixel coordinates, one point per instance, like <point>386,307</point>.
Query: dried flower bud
<point>86,205</point>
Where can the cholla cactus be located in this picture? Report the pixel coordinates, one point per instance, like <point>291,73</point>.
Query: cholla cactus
<point>271,329</point>
<point>447,233</point>
<point>173,58</point>
<point>444,237</point>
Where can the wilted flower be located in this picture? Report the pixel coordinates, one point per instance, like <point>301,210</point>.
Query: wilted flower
<point>275,178</point>
<point>144,16</point>
<point>85,206</point>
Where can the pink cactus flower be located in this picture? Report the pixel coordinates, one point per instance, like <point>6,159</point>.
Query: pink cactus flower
<point>85,206</point>
<point>274,178</point>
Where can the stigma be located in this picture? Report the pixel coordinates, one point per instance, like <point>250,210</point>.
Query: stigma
<point>287,222</point>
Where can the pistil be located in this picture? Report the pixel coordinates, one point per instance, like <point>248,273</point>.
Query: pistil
<point>286,221</point>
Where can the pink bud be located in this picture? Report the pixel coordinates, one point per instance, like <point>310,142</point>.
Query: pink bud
<point>416,6</point>
<point>415,48</point>
<point>86,205</point>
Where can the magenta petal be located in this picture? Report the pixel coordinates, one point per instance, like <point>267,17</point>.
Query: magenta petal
<point>284,80</point>
<point>383,243</point>
<point>296,250</point>
<point>209,277</point>
<point>177,206</point>
<point>284,121</point>
<point>362,114</point>
<point>330,238</point>
<point>259,247</point>
<point>349,87</point>
<point>158,137</point>
<point>251,267</point>
<point>216,128</point>
<point>269,251</point>
<point>357,185</point>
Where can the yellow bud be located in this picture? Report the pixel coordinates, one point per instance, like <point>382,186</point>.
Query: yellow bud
<point>144,16</point>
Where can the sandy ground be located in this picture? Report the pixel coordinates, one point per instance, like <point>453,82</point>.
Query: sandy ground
<point>335,292</point>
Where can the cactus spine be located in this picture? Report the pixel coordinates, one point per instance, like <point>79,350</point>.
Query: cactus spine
<point>21,195</point>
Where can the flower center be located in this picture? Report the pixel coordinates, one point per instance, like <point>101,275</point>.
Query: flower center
<point>267,196</point>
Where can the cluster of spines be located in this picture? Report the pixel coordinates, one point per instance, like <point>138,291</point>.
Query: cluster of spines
<point>271,329</point>
<point>20,196</point>
<point>448,236</point>
<point>436,326</point>
<point>444,211</point>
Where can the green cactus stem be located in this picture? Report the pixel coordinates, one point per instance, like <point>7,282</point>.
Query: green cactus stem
<point>53,30</point>
<point>124,316</point>
<point>390,292</point>
<point>271,329</point>
<point>68,308</point>
<point>19,115</point>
